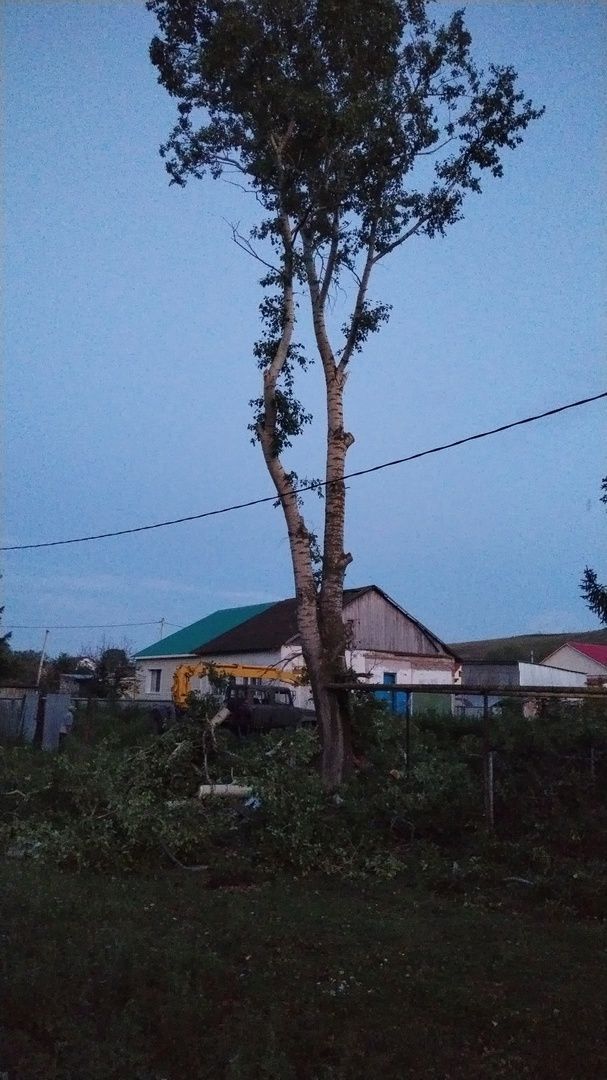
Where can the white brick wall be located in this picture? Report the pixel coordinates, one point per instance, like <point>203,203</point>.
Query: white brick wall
<point>407,669</point>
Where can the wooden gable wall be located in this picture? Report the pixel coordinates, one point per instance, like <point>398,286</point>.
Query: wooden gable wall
<point>377,624</point>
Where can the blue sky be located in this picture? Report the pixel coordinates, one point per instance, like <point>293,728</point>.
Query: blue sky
<point>129,321</point>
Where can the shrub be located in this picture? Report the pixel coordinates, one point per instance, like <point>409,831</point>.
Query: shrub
<point>126,802</point>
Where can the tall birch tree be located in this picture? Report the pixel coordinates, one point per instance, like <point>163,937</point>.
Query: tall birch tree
<point>358,126</point>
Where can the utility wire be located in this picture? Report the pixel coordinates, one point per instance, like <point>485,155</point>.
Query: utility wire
<point>314,486</point>
<point>90,626</point>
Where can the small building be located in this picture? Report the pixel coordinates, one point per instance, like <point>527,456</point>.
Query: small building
<point>385,643</point>
<point>509,674</point>
<point>580,656</point>
<point>517,673</point>
<point>77,684</point>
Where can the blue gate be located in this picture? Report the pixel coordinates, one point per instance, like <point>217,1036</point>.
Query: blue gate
<point>396,700</point>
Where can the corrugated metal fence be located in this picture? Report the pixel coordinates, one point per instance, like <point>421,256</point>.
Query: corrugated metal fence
<point>28,716</point>
<point>18,716</point>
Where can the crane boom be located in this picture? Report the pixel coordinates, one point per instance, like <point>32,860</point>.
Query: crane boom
<point>186,672</point>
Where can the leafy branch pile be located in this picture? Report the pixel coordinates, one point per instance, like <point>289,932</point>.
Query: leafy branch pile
<point>128,802</point>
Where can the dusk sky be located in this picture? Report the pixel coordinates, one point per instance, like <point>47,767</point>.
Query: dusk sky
<point>130,317</point>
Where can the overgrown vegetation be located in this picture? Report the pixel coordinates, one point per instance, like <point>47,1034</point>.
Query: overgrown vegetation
<point>109,670</point>
<point>283,955</point>
<point>126,801</point>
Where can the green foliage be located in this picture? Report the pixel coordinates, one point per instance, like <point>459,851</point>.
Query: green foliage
<point>5,649</point>
<point>20,666</point>
<point>593,592</point>
<point>113,672</point>
<point>109,677</point>
<point>127,799</point>
<point>249,75</point>
<point>114,805</point>
<point>354,134</point>
<point>63,664</point>
<point>96,722</point>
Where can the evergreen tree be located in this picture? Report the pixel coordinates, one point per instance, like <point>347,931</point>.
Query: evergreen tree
<point>593,592</point>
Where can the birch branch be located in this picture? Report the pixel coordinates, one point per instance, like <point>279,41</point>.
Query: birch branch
<point>318,310</point>
<point>360,301</point>
<point>331,262</point>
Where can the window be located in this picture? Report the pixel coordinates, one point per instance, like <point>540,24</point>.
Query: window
<point>282,697</point>
<point>155,674</point>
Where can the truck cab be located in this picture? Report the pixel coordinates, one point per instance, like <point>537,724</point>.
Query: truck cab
<point>263,708</point>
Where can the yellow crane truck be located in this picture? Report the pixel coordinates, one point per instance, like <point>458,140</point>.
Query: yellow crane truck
<point>260,706</point>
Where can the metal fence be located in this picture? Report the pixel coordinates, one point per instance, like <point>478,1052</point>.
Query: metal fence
<point>30,717</point>
<point>18,715</point>
<point>34,718</point>
<point>487,695</point>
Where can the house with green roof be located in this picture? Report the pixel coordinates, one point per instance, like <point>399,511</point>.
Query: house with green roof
<point>386,643</point>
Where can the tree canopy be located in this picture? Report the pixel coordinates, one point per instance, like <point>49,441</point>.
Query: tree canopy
<point>361,131</point>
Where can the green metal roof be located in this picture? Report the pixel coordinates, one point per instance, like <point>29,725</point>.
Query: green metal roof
<point>192,637</point>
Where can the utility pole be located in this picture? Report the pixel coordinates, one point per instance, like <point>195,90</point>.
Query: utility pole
<point>42,655</point>
<point>162,622</point>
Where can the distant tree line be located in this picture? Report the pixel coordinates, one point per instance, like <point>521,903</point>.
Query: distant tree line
<point>109,670</point>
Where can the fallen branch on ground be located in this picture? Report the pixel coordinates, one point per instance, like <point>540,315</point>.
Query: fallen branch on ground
<point>236,791</point>
<point>174,859</point>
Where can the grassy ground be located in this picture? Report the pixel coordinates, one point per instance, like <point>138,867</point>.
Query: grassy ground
<point>160,978</point>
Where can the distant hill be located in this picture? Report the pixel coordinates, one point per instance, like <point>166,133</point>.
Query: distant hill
<point>523,646</point>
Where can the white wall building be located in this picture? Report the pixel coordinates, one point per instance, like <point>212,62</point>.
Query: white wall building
<point>517,673</point>
<point>580,656</point>
<point>386,643</point>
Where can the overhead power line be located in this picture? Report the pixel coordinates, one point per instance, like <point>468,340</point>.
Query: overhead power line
<point>316,485</point>
<point>90,626</point>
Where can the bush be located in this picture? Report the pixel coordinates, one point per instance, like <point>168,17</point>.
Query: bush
<point>115,805</point>
<point>97,723</point>
<point>128,800</point>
